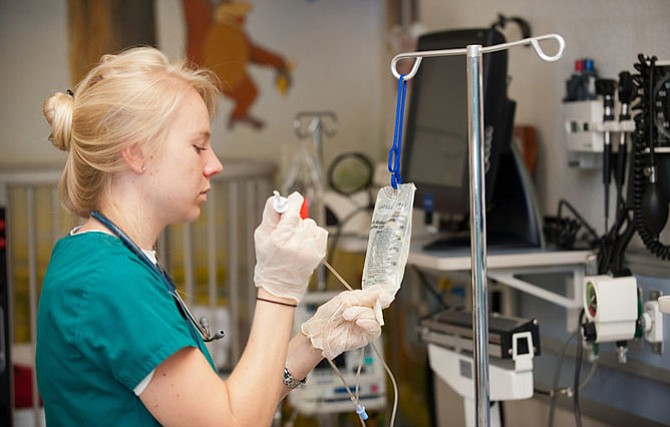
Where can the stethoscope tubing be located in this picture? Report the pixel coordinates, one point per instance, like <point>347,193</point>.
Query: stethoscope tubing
<point>165,277</point>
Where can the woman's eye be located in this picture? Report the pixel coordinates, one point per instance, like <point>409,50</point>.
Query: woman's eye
<point>199,149</point>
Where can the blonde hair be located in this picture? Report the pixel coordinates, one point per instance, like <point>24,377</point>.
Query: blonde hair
<point>127,99</point>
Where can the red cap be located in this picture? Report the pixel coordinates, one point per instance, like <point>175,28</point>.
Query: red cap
<point>304,209</point>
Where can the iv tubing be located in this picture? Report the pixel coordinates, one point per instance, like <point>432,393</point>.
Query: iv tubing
<point>337,275</point>
<point>354,399</point>
<point>377,352</point>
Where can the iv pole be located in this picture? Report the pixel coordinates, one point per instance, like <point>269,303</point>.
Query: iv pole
<point>477,195</point>
<point>320,123</point>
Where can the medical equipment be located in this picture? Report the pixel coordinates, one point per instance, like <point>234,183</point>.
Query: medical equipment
<point>324,391</point>
<point>436,148</point>
<point>349,200</point>
<point>606,88</point>
<point>613,312</point>
<point>642,207</point>
<point>389,240</point>
<point>202,326</point>
<point>306,177</point>
<point>306,171</point>
<point>325,394</point>
<point>305,174</point>
<point>611,308</point>
<point>651,136</point>
<point>477,213</point>
<point>513,343</point>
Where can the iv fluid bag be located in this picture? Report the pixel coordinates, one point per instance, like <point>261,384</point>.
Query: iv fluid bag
<point>389,240</point>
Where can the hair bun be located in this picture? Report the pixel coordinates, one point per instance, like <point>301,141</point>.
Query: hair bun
<point>58,112</point>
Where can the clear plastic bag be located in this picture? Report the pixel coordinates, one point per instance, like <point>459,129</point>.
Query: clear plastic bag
<point>389,240</point>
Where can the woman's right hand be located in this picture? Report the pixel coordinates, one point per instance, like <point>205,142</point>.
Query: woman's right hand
<point>350,320</point>
<point>288,249</point>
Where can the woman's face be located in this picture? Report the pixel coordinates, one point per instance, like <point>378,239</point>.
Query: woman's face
<point>179,174</point>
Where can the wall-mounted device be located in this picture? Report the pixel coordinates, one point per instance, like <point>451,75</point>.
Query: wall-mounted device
<point>585,131</point>
<point>650,160</point>
<point>610,308</point>
<point>614,313</point>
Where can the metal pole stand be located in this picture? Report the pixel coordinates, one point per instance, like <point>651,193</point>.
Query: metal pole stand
<point>317,124</point>
<point>477,193</point>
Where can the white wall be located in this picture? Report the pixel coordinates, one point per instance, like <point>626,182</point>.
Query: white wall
<point>336,46</point>
<point>33,48</point>
<point>340,50</point>
<point>612,32</point>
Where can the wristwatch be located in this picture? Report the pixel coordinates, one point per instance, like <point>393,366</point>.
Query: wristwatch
<point>290,381</point>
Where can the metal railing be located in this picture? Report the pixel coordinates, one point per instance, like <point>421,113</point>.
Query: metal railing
<point>211,259</point>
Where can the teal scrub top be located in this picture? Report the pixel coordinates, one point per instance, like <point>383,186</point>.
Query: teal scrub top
<point>105,321</point>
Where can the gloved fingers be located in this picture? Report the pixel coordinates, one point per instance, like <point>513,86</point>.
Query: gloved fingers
<point>362,297</point>
<point>357,312</point>
<point>307,246</point>
<point>371,327</point>
<point>364,317</point>
<point>337,335</point>
<point>289,221</point>
<point>270,219</point>
<point>270,215</point>
<point>325,314</point>
<point>268,223</point>
<point>313,237</point>
<point>294,204</point>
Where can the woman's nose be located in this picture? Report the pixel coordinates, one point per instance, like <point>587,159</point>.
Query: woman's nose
<point>213,165</point>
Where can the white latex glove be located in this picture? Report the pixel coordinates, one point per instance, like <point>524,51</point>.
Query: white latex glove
<point>347,322</point>
<point>288,249</point>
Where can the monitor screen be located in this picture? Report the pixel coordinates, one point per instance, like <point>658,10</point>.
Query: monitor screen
<point>441,123</point>
<point>436,156</point>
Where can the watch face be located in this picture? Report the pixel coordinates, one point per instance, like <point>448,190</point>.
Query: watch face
<point>591,299</point>
<point>290,381</point>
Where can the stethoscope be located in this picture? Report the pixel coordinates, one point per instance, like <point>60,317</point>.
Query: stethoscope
<point>201,326</point>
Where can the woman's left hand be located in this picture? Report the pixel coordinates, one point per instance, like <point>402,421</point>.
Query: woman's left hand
<point>348,321</point>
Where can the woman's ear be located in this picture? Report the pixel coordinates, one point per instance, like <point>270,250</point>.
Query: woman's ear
<point>134,158</point>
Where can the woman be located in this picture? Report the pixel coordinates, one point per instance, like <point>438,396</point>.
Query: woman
<point>115,345</point>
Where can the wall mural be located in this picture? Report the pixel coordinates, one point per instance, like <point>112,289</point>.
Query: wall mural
<point>216,39</point>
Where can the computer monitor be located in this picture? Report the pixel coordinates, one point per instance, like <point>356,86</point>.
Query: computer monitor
<point>436,154</point>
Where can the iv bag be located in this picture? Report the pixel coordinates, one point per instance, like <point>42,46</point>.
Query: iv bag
<point>389,240</point>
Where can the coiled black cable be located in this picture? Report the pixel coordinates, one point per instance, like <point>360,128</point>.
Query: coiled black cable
<point>640,138</point>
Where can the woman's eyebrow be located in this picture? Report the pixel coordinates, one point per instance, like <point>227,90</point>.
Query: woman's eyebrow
<point>203,135</point>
